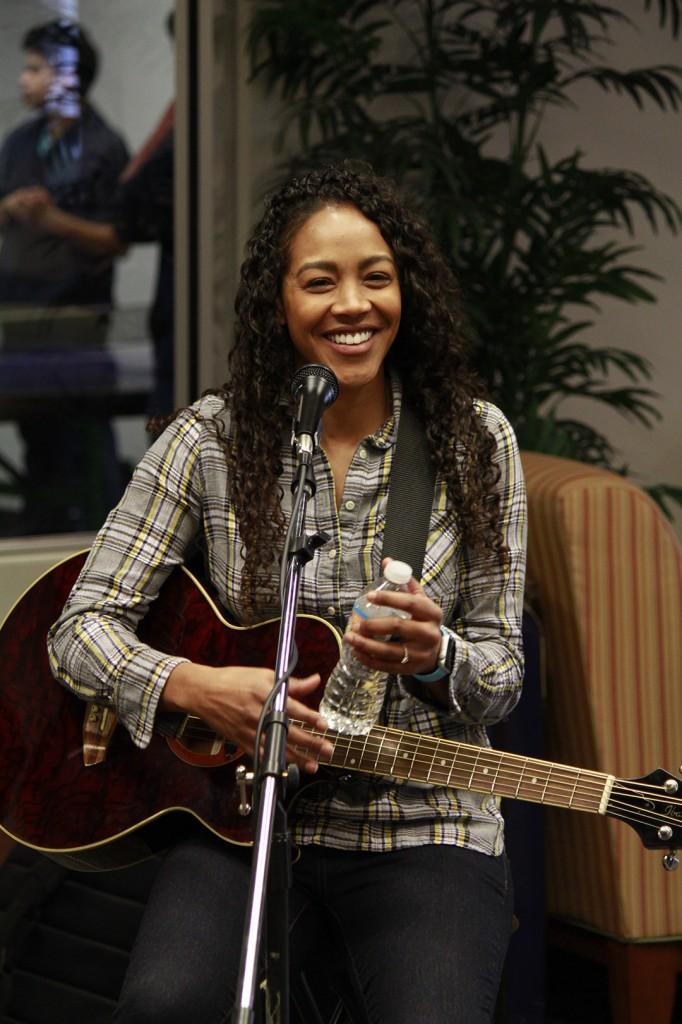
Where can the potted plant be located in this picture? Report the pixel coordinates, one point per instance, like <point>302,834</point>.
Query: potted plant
<point>449,97</point>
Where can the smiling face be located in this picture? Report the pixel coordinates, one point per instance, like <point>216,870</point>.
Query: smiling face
<point>340,295</point>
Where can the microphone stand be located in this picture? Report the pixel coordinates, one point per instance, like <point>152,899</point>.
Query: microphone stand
<point>271,864</point>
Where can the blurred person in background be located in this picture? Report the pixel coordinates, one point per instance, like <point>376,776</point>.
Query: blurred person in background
<point>142,213</point>
<point>56,297</point>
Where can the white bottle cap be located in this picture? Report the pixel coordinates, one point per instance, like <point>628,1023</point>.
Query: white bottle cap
<point>397,572</point>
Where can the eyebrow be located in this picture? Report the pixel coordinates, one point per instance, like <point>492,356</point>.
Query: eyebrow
<point>330,265</point>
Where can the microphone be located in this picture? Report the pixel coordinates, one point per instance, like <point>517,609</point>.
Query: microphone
<point>313,388</point>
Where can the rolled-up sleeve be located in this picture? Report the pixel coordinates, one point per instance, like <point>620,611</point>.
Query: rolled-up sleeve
<point>93,647</point>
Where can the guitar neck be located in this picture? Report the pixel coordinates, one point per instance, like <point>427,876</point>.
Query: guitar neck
<point>417,758</point>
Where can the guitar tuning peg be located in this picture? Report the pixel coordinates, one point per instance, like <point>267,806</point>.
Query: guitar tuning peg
<point>671,861</point>
<point>670,786</point>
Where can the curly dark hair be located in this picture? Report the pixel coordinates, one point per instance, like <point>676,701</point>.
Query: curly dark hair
<point>428,354</point>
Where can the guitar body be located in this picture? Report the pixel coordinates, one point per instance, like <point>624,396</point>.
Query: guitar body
<point>50,800</point>
<point>117,811</point>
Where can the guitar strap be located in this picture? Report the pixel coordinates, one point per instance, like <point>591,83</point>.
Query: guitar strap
<point>410,496</point>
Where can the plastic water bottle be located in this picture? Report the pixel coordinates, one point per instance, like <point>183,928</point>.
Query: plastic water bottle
<point>354,694</point>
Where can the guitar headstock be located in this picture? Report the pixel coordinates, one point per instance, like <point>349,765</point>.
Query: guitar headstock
<point>652,805</point>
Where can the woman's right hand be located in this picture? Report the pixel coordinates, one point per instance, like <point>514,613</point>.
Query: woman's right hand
<point>230,701</point>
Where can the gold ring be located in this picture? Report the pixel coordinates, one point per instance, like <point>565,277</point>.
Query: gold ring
<point>405,658</point>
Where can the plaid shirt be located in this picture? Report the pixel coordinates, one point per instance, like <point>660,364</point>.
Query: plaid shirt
<point>180,488</point>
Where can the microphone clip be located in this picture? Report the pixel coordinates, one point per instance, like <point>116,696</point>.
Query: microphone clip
<point>304,445</point>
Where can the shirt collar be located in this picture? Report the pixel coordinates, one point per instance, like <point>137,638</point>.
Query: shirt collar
<point>387,434</point>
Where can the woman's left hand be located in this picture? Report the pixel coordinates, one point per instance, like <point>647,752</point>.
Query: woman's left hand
<point>418,640</point>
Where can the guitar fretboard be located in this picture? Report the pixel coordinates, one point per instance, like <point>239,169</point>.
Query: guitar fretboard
<point>439,762</point>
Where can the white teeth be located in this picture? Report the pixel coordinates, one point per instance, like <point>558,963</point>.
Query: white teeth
<point>351,339</point>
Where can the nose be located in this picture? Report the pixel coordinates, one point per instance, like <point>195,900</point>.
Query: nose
<point>350,299</point>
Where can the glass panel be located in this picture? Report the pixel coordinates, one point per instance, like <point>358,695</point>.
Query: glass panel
<point>86,253</point>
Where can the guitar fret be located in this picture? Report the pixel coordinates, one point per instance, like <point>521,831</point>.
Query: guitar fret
<point>356,760</point>
<point>518,787</point>
<point>344,742</point>
<point>473,770</point>
<point>397,750</point>
<point>452,766</point>
<point>335,738</point>
<point>407,747</point>
<point>482,780</point>
<point>439,768</point>
<point>374,762</point>
<point>430,768</point>
<point>364,755</point>
<point>494,783</point>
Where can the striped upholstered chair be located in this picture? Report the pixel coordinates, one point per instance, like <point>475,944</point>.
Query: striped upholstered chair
<point>606,570</point>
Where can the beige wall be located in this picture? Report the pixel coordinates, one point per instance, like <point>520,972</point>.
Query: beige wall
<point>23,561</point>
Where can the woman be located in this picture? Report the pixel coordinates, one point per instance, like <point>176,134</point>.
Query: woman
<point>412,882</point>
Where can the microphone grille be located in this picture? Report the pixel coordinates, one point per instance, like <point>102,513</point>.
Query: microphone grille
<point>316,370</point>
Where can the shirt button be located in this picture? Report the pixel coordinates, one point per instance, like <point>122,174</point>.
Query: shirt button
<point>363,453</point>
<point>350,505</point>
<point>331,553</point>
<point>331,610</point>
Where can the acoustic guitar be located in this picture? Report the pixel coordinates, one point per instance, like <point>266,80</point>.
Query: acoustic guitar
<point>100,809</point>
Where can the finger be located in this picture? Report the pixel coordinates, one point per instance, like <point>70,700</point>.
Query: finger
<point>306,684</point>
<point>307,750</point>
<point>420,632</point>
<point>406,658</point>
<point>377,650</point>
<point>416,604</point>
<point>314,744</point>
<point>302,713</point>
<point>297,700</point>
<point>298,755</point>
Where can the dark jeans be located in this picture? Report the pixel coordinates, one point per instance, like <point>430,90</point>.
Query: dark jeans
<point>421,934</point>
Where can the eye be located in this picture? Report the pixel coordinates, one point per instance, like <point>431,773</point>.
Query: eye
<point>378,278</point>
<point>318,284</point>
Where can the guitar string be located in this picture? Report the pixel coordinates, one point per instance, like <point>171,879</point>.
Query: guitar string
<point>426,761</point>
<point>589,782</point>
<point>629,813</point>
<point>621,811</point>
<point>580,791</point>
<point>585,787</point>
<point>466,755</point>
